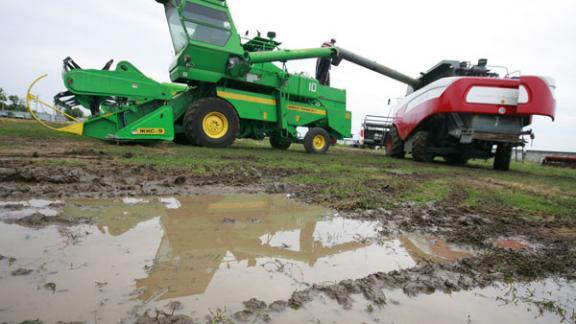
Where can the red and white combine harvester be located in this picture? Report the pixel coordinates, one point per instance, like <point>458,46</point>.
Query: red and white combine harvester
<point>460,111</point>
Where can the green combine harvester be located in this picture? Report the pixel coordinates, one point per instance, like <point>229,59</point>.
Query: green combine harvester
<point>223,89</point>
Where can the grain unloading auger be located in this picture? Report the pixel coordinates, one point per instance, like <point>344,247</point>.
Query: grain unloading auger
<point>223,89</point>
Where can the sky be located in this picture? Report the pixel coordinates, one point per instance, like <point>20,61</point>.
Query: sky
<point>411,36</point>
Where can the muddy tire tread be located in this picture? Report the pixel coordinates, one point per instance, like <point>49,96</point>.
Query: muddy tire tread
<point>397,150</point>
<point>420,147</point>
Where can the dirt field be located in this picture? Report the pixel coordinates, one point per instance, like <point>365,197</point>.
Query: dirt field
<point>520,225</point>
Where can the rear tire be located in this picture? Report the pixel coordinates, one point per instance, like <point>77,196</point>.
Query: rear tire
<point>280,143</point>
<point>503,157</point>
<point>420,147</point>
<point>394,144</point>
<point>211,122</point>
<point>317,141</point>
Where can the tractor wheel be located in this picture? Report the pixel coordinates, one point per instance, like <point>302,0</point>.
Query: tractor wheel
<point>317,141</point>
<point>503,157</point>
<point>394,145</point>
<point>211,122</point>
<point>280,143</point>
<point>420,147</point>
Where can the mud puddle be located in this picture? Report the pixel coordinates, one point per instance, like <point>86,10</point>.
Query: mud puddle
<point>189,255</point>
<point>546,301</point>
<point>14,210</point>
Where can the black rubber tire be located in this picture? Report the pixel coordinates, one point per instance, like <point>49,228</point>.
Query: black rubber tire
<point>194,117</point>
<point>394,144</point>
<point>280,143</point>
<point>309,141</point>
<point>420,147</point>
<point>503,157</point>
<point>181,139</point>
<point>456,160</point>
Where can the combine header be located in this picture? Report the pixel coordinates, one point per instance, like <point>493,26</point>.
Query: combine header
<point>224,89</point>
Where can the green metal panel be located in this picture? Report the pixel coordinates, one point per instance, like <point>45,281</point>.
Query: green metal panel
<point>157,125</point>
<point>340,122</point>
<point>298,114</point>
<point>101,127</point>
<point>251,105</point>
<point>126,81</point>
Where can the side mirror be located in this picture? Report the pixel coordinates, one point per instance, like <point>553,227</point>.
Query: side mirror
<point>389,101</point>
<point>271,35</point>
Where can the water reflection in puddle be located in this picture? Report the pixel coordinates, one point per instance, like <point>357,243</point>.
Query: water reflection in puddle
<point>206,252</point>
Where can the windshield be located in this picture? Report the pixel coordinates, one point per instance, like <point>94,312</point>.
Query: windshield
<point>206,24</point>
<point>177,32</point>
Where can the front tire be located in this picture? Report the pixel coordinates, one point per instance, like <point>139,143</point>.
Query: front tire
<point>280,143</point>
<point>317,141</point>
<point>503,157</point>
<point>211,122</point>
<point>421,146</point>
<point>394,144</point>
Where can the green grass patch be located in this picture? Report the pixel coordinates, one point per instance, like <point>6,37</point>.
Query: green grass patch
<point>427,191</point>
<point>510,198</point>
<point>25,129</point>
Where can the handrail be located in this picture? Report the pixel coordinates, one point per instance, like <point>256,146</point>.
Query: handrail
<point>30,97</point>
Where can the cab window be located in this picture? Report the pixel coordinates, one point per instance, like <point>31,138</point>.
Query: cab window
<point>177,32</point>
<point>207,25</point>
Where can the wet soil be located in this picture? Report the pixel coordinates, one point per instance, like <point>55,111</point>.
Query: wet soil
<point>115,180</point>
<point>509,244</point>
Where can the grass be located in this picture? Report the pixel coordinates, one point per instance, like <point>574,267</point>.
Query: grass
<point>522,200</point>
<point>428,191</point>
<point>346,177</point>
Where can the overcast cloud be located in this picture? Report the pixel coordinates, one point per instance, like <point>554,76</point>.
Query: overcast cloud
<point>535,37</point>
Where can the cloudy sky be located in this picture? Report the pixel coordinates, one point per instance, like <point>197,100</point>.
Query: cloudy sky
<point>535,37</point>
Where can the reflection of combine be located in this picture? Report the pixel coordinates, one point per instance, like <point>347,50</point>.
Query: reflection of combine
<point>196,242</point>
<point>428,248</point>
<point>113,216</point>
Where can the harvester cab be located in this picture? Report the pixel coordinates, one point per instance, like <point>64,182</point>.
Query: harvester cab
<point>205,41</point>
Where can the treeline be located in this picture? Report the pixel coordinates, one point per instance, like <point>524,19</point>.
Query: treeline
<point>15,103</point>
<point>11,102</point>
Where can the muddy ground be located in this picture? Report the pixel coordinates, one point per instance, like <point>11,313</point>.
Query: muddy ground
<point>517,240</point>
